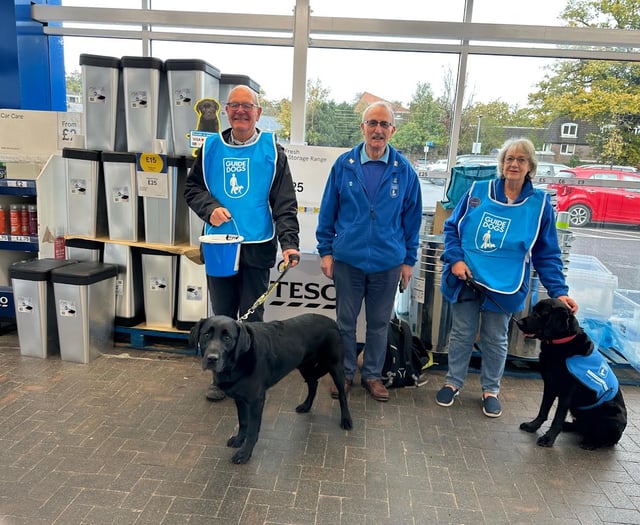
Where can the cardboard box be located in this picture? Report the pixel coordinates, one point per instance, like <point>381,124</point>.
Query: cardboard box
<point>439,217</point>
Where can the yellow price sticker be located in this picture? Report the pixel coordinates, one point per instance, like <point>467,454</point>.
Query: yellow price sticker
<point>151,162</point>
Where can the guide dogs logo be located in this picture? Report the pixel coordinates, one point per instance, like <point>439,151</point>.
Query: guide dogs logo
<point>236,177</point>
<point>491,232</point>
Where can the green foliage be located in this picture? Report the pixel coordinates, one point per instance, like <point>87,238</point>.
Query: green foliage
<point>74,83</point>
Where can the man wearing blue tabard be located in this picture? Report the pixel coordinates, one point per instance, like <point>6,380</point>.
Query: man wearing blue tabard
<point>240,183</point>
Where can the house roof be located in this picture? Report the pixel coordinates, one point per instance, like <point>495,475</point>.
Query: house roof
<point>369,98</point>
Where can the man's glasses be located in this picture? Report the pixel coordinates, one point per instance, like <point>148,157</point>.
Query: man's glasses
<point>375,123</point>
<point>244,105</point>
<point>519,160</point>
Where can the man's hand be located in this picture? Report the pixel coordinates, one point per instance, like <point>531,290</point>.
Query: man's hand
<point>219,216</point>
<point>291,257</point>
<point>326,265</point>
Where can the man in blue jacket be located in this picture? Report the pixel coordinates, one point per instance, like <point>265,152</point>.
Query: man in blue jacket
<point>368,235</point>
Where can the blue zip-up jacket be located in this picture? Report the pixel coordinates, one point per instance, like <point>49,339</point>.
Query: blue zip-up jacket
<point>545,255</point>
<point>371,235</point>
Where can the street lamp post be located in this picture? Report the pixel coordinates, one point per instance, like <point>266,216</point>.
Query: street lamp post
<point>477,144</point>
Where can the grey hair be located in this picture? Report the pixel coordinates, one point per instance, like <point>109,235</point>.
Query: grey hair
<point>382,104</point>
<point>523,144</point>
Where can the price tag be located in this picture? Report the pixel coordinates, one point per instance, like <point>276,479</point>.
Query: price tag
<point>20,238</point>
<point>152,175</point>
<point>16,183</point>
<point>4,238</point>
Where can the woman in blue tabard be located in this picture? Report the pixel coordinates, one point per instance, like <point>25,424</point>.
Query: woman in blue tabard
<point>497,230</point>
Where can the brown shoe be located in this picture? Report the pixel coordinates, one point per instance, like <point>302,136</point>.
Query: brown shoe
<point>377,390</point>
<point>347,387</point>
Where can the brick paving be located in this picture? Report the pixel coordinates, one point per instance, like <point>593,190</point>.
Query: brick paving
<point>131,439</point>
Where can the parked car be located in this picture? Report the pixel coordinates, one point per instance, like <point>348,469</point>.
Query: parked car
<point>594,204</point>
<point>609,167</point>
<point>476,159</point>
<point>550,169</point>
<point>439,165</point>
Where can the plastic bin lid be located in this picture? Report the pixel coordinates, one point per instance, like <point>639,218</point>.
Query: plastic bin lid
<point>115,156</point>
<point>191,64</point>
<point>36,269</point>
<point>84,272</point>
<point>99,61</point>
<point>87,244</point>
<point>81,154</point>
<point>142,62</point>
<point>239,80</point>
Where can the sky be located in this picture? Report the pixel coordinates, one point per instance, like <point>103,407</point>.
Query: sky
<point>390,75</point>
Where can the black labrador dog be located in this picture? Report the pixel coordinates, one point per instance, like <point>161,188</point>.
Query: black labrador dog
<point>249,358</point>
<point>578,376</point>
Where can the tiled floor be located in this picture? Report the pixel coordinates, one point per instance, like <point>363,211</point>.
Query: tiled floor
<point>130,438</point>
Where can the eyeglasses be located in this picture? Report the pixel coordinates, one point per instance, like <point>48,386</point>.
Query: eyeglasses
<point>244,105</point>
<point>375,123</point>
<point>519,160</point>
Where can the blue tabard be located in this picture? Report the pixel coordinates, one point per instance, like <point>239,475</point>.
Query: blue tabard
<point>594,372</point>
<point>502,235</point>
<point>240,177</point>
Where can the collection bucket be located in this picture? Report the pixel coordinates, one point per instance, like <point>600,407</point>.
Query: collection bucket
<point>221,254</point>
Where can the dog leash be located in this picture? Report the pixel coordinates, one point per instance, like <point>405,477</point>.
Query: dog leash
<point>266,294</point>
<point>483,291</point>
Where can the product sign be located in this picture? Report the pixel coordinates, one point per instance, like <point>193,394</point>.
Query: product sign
<point>152,175</point>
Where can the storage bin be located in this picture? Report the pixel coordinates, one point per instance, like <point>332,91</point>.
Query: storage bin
<point>190,81</point>
<point>102,102</point>
<point>83,250</point>
<point>192,293</point>
<point>159,279</point>
<point>124,206</point>
<point>146,102</point>
<point>129,295</point>
<point>166,220</point>
<point>35,306</point>
<point>86,211</point>
<point>85,309</point>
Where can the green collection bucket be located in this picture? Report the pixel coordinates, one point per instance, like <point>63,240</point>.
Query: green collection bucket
<point>221,253</point>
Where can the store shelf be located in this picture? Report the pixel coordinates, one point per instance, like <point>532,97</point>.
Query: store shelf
<point>22,243</point>
<point>21,187</point>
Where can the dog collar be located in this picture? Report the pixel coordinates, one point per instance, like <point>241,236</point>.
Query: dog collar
<point>562,340</point>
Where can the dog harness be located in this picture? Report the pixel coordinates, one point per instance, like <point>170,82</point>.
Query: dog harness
<point>594,372</point>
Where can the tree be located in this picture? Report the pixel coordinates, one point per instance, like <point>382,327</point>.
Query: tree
<point>606,94</point>
<point>424,124</point>
<point>73,82</point>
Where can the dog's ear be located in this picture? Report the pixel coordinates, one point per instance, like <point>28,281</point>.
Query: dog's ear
<point>194,334</point>
<point>243,343</point>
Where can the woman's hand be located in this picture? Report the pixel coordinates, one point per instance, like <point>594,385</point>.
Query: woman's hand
<point>461,270</point>
<point>571,304</point>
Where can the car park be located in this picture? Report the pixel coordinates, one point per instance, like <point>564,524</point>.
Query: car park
<point>616,202</point>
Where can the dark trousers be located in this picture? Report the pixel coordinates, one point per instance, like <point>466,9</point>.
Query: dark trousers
<point>233,296</point>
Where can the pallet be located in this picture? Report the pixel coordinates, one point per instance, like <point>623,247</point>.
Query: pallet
<point>154,338</point>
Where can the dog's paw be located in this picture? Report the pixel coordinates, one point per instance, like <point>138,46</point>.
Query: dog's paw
<point>241,457</point>
<point>545,440</point>
<point>303,408</point>
<point>235,441</point>
<point>346,423</point>
<point>531,426</point>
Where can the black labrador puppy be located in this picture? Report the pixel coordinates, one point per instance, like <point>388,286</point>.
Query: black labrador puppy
<point>578,376</point>
<point>249,358</point>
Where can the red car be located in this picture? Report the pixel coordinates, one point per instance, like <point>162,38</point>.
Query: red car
<point>589,204</point>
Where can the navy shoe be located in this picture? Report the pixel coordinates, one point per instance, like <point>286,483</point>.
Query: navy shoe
<point>491,406</point>
<point>446,395</point>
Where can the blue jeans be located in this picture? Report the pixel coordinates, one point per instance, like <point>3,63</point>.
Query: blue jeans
<point>378,290</point>
<point>493,344</point>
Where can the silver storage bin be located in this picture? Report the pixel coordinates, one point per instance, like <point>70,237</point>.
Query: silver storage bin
<point>145,101</point>
<point>35,306</point>
<point>124,206</point>
<point>166,219</point>
<point>85,309</point>
<point>86,214</point>
<point>102,100</point>
<point>227,83</point>
<point>430,313</point>
<point>83,250</point>
<point>196,224</point>
<point>159,281</point>
<point>191,80</point>
<point>192,293</point>
<point>129,295</point>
